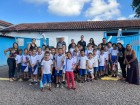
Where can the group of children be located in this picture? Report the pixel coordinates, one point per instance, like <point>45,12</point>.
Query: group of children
<point>55,65</point>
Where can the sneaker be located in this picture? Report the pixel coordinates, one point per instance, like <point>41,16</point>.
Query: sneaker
<point>11,80</point>
<point>64,82</point>
<point>36,83</point>
<point>57,86</point>
<point>20,80</point>
<point>31,83</point>
<point>61,86</point>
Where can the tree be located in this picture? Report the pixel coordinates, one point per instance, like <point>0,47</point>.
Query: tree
<point>136,7</point>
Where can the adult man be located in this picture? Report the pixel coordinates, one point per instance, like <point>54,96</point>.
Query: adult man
<point>103,44</point>
<point>82,42</point>
<point>61,43</point>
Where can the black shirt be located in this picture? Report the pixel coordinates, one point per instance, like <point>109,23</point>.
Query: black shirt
<point>121,54</point>
<point>82,43</point>
<point>60,44</point>
<point>103,45</point>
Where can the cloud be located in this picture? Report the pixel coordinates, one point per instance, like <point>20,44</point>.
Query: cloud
<point>103,10</point>
<point>63,7</point>
<point>130,17</point>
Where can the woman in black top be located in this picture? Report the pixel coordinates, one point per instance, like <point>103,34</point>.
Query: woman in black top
<point>11,60</point>
<point>32,45</point>
<point>91,42</point>
<point>121,58</point>
<point>132,65</point>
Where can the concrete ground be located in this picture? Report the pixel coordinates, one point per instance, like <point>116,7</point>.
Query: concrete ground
<point>97,92</point>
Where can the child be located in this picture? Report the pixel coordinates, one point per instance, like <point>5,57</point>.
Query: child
<point>34,67</point>
<point>114,60</point>
<point>90,65</point>
<point>18,65</point>
<point>40,55</point>
<point>59,63</point>
<point>89,50</point>
<point>101,63</point>
<point>96,65</point>
<point>72,48</point>
<point>52,57</point>
<point>75,57</point>
<point>46,70</point>
<point>82,64</point>
<point>69,67</point>
<point>25,61</point>
<point>106,53</point>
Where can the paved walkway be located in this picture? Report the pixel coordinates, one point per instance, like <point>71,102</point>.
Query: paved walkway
<point>90,93</point>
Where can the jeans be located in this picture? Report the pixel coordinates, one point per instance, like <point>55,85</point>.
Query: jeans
<point>12,64</point>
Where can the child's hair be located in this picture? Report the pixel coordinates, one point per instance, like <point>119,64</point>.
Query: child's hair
<point>114,44</point>
<point>20,50</point>
<point>69,52</point>
<point>25,49</point>
<point>53,48</point>
<point>60,49</point>
<point>47,52</point>
<point>47,48</point>
<point>39,48</point>
<point>89,53</point>
<point>82,51</point>
<point>94,50</point>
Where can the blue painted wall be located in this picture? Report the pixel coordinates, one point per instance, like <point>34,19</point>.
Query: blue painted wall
<point>5,43</point>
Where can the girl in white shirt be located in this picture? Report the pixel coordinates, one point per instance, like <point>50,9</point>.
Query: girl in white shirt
<point>90,66</point>
<point>96,63</point>
<point>114,60</point>
<point>101,63</point>
<point>69,67</point>
<point>89,50</point>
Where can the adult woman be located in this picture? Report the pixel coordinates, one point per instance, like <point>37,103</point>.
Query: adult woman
<point>132,65</point>
<point>11,60</point>
<point>121,57</point>
<point>32,45</point>
<point>91,42</point>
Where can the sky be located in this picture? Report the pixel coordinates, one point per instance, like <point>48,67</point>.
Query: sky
<point>38,11</point>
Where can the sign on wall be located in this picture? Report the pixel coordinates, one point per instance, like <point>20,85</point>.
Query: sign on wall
<point>38,42</point>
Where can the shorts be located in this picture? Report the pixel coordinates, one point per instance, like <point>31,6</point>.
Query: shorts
<point>58,73</point>
<point>96,69</point>
<point>82,72</point>
<point>101,68</point>
<point>90,72</point>
<point>113,58</point>
<point>34,71</point>
<point>24,69</point>
<point>46,78</point>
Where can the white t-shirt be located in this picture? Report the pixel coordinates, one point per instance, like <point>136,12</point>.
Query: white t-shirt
<point>102,60</point>
<point>46,66</point>
<point>59,59</point>
<point>24,59</point>
<point>96,59</point>
<point>109,49</point>
<point>88,51</point>
<point>98,52</point>
<point>69,63</point>
<point>34,59</point>
<point>18,59</point>
<point>106,53</point>
<point>40,57</point>
<point>114,52</point>
<point>71,50</point>
<point>90,63</point>
<point>83,61</point>
<point>75,59</point>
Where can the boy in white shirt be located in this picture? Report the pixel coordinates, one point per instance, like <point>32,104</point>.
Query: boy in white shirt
<point>59,63</point>
<point>106,53</point>
<point>25,64</point>
<point>83,64</point>
<point>90,66</point>
<point>96,63</point>
<point>46,70</point>
<point>89,50</point>
<point>34,67</point>
<point>101,63</point>
<point>69,67</point>
<point>40,55</point>
<point>18,59</point>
